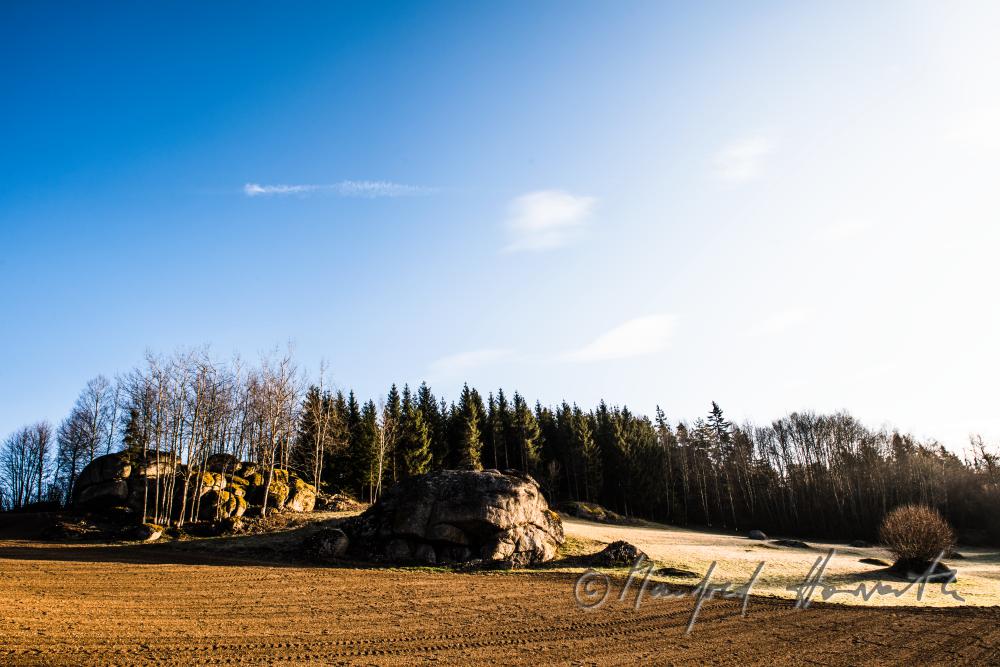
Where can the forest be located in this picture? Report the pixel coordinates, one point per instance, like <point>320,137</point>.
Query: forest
<point>807,474</point>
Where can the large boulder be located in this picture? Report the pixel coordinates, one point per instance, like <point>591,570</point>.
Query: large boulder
<point>217,505</point>
<point>277,492</point>
<point>459,515</point>
<point>104,481</point>
<point>152,464</point>
<point>301,496</point>
<point>325,544</point>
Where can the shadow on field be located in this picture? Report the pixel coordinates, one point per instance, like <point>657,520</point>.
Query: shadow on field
<point>275,549</point>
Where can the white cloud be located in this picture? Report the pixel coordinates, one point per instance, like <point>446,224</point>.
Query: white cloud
<point>843,230</point>
<point>780,322</point>
<point>546,219</point>
<point>635,338</point>
<point>743,161</point>
<point>366,189</point>
<point>977,129</point>
<point>457,364</point>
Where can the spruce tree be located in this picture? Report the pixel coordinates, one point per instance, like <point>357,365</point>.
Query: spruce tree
<point>469,418</point>
<point>414,443</point>
<point>337,464</point>
<point>585,443</point>
<point>721,429</point>
<point>309,434</point>
<point>394,415</point>
<point>501,427</point>
<point>358,458</point>
<point>367,463</point>
<point>436,428</point>
<point>525,436</point>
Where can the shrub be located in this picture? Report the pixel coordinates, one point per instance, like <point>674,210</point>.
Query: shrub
<point>916,534</point>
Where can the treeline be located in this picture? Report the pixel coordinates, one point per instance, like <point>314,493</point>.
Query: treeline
<point>804,474</point>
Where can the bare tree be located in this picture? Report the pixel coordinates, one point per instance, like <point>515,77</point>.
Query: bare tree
<point>385,443</point>
<point>25,463</point>
<point>277,402</point>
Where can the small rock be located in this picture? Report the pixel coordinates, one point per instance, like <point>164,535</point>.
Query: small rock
<point>144,532</point>
<point>757,535</point>
<point>675,572</point>
<point>618,554</point>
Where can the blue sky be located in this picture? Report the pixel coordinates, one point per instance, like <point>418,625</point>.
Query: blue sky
<point>777,207</point>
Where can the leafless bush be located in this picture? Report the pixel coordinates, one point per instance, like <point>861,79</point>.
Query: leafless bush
<point>916,533</point>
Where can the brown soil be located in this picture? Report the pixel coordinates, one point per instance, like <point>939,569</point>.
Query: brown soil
<point>132,604</point>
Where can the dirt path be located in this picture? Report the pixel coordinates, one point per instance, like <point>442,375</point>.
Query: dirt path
<point>64,605</point>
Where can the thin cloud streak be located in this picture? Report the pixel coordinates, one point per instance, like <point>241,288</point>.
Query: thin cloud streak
<point>363,189</point>
<point>546,219</point>
<point>456,365</point>
<point>635,338</point>
<point>780,322</point>
<point>743,161</point>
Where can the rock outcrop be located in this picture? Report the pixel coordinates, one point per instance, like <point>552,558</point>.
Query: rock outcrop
<point>224,489</point>
<point>594,512</point>
<point>104,482</point>
<point>454,516</point>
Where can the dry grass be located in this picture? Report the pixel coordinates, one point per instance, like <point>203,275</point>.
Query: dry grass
<point>737,557</point>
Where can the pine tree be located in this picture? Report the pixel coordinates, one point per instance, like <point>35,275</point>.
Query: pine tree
<point>720,427</point>
<point>443,444</point>
<point>367,467</point>
<point>525,436</point>
<point>414,443</point>
<point>469,417</point>
<point>134,436</point>
<point>350,466</point>
<point>584,442</point>
<point>335,462</point>
<point>393,414</point>
<point>490,424</point>
<point>430,409</point>
<point>312,438</point>
<point>357,457</point>
<point>501,428</point>
<point>613,446</point>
